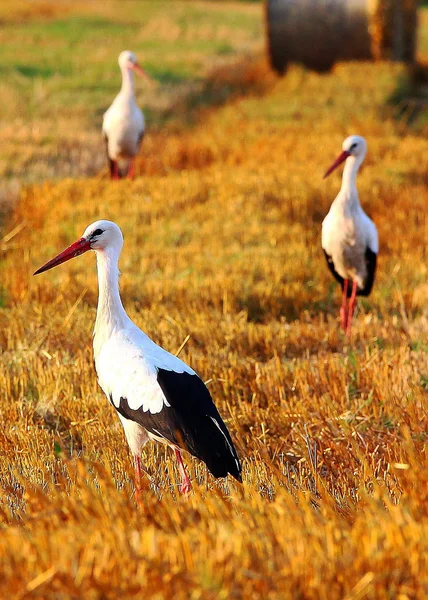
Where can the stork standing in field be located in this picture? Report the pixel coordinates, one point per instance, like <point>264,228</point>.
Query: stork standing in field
<point>156,395</point>
<point>123,122</point>
<point>349,237</point>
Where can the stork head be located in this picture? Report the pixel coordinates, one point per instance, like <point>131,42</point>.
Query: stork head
<point>128,60</point>
<point>100,236</point>
<point>103,234</point>
<point>354,145</point>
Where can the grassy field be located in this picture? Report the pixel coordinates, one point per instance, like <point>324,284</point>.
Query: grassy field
<point>60,75</point>
<point>222,243</point>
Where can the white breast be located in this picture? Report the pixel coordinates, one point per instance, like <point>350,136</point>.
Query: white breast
<point>346,234</point>
<point>127,364</point>
<point>123,125</point>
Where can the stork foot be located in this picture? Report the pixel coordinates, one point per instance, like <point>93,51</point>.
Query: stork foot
<point>348,328</point>
<point>344,309</point>
<point>351,309</point>
<point>141,477</point>
<point>114,170</point>
<point>131,170</point>
<point>343,317</point>
<point>185,485</point>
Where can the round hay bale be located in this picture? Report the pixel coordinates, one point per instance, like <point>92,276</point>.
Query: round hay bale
<point>317,33</point>
<point>393,27</point>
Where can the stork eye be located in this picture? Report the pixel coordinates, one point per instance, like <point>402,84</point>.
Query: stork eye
<point>97,232</point>
<point>354,145</point>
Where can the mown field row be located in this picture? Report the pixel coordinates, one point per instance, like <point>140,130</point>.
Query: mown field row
<point>222,243</point>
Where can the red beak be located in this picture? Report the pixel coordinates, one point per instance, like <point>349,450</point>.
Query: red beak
<point>343,156</point>
<point>76,249</point>
<point>139,70</point>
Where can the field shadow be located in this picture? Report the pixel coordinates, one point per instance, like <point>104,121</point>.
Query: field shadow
<point>168,76</point>
<point>260,311</point>
<point>416,178</point>
<point>33,71</point>
<point>409,100</point>
<point>229,81</point>
<point>66,439</point>
<point>170,144</point>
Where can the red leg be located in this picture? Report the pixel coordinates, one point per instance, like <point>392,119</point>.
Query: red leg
<point>343,310</point>
<point>114,170</point>
<point>131,170</point>
<point>351,308</point>
<point>139,471</point>
<point>185,485</point>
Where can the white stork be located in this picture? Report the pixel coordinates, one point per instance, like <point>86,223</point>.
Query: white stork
<point>156,395</point>
<point>349,237</point>
<point>123,122</point>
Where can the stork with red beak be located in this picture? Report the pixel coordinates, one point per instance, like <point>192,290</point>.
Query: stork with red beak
<point>156,395</point>
<point>349,236</point>
<point>123,122</point>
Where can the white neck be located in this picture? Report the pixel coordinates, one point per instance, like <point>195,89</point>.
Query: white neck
<point>127,81</point>
<point>348,194</point>
<point>349,177</point>
<point>110,312</point>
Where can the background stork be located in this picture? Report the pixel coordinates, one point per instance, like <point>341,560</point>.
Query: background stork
<point>156,395</point>
<point>349,236</point>
<point>123,122</point>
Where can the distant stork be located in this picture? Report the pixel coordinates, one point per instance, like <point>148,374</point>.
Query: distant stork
<point>123,122</point>
<point>156,395</point>
<point>349,237</point>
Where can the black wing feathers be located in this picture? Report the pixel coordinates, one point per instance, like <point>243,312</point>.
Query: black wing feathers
<point>330,265</point>
<point>201,436</point>
<point>371,259</point>
<point>189,422</point>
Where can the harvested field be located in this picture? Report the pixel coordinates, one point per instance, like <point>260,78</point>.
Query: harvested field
<point>222,243</point>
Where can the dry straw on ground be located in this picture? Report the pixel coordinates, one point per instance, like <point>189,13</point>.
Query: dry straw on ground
<point>227,250</point>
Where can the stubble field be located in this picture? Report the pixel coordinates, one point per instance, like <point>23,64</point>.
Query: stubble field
<point>222,244</point>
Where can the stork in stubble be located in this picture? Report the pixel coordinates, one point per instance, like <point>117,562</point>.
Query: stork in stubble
<point>349,236</point>
<point>156,395</point>
<point>123,122</point>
